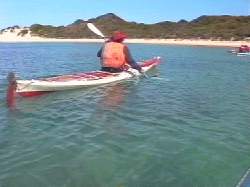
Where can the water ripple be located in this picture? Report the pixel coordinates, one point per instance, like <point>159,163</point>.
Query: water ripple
<point>186,125</point>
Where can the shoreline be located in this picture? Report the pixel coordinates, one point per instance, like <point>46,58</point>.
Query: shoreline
<point>187,42</point>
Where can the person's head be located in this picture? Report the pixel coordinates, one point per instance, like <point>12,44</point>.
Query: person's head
<point>118,36</point>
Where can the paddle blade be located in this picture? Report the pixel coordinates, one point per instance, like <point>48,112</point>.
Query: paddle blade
<point>93,28</point>
<point>11,92</point>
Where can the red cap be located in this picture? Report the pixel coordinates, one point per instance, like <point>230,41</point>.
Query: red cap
<point>118,36</point>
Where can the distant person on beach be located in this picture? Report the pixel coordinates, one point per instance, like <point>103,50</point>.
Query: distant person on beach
<point>115,56</point>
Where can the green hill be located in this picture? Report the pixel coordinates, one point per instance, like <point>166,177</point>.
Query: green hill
<point>204,27</point>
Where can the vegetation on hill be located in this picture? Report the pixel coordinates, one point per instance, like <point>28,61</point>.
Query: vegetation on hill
<point>11,29</point>
<point>23,32</point>
<point>204,27</point>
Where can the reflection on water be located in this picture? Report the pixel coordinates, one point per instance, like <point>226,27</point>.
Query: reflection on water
<point>114,96</point>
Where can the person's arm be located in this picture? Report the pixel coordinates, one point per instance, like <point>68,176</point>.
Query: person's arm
<point>99,53</point>
<point>130,60</point>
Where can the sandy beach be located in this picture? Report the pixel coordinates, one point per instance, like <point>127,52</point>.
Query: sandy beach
<point>12,37</point>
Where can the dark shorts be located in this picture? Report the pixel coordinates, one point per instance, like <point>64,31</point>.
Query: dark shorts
<point>111,70</point>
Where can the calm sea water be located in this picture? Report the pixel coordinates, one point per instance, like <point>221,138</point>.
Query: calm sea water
<point>187,126</point>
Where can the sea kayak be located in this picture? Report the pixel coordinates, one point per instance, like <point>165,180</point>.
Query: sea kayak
<point>34,87</point>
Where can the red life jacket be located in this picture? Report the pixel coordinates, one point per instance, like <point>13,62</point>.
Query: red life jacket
<point>113,55</point>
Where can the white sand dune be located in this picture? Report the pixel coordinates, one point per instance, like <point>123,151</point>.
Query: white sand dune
<point>13,35</point>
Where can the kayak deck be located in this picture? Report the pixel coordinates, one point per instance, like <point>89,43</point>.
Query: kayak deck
<point>81,76</point>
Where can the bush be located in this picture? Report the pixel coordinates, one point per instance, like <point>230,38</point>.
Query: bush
<point>23,32</point>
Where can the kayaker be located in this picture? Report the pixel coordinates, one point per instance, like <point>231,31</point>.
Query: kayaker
<point>244,49</point>
<point>115,55</point>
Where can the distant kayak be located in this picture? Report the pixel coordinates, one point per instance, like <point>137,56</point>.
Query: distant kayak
<point>243,54</point>
<point>243,50</point>
<point>34,87</point>
<point>239,53</point>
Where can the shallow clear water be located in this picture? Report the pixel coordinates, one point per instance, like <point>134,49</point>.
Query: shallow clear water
<point>187,126</point>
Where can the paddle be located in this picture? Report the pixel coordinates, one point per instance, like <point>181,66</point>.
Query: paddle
<point>11,92</point>
<point>95,30</point>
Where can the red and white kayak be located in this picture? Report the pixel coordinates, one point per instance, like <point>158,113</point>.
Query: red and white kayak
<point>36,87</point>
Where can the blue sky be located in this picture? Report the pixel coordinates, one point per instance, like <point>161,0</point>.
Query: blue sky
<point>63,12</point>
